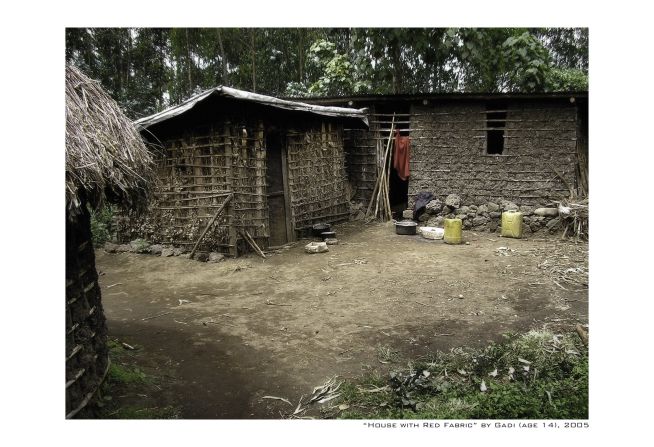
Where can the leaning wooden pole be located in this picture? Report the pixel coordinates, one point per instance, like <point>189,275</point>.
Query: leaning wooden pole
<point>213,219</point>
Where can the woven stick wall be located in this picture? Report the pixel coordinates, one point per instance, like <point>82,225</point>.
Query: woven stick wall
<point>316,167</point>
<point>195,175</point>
<point>361,158</point>
<point>86,331</point>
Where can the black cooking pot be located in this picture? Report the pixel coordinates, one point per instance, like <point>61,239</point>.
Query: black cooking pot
<point>319,228</point>
<point>407,227</point>
<point>328,234</point>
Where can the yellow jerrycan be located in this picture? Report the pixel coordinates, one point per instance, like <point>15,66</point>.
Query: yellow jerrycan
<point>512,224</point>
<point>452,231</point>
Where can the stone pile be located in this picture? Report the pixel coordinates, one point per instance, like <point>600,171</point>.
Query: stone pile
<point>487,216</point>
<point>143,247</point>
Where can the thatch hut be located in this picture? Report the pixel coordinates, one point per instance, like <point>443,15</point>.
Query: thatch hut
<point>106,161</point>
<point>280,163</point>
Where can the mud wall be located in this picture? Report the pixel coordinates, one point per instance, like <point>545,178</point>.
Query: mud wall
<point>448,152</point>
<point>86,331</point>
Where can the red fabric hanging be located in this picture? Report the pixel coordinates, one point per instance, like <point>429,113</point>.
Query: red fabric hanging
<point>401,155</point>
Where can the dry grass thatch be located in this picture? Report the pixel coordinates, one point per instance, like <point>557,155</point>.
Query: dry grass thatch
<point>105,155</point>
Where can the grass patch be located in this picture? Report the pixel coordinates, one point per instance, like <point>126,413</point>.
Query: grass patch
<point>132,412</point>
<point>127,392</point>
<point>537,375</point>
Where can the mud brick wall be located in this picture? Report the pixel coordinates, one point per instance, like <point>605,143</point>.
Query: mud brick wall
<point>87,358</point>
<point>448,152</point>
<point>316,175</point>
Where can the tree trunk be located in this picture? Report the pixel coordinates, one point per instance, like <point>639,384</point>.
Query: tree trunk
<point>300,54</point>
<point>254,67</point>
<point>223,58</point>
<point>189,62</point>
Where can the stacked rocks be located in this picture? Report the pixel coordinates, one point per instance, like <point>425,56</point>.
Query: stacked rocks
<point>488,216</point>
<point>143,247</point>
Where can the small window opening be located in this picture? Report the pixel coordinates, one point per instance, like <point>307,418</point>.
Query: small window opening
<point>495,123</point>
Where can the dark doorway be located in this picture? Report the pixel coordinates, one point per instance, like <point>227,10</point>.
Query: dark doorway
<point>275,172</point>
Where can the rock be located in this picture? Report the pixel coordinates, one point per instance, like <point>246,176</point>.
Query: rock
<point>139,246</point>
<point>478,221</point>
<point>492,207</point>
<point>156,249</point>
<point>434,206</point>
<point>316,247</point>
<point>178,251</point>
<point>110,248</point>
<point>509,206</point>
<point>551,224</point>
<point>216,257</point>
<point>493,225</point>
<point>526,229</point>
<point>527,210</point>
<point>482,209</point>
<point>463,210</point>
<point>473,208</point>
<point>534,227</point>
<point>407,214</point>
<point>124,248</point>
<point>167,252</point>
<point>494,214</point>
<point>185,255</point>
<point>453,201</point>
<point>331,241</point>
<point>546,212</point>
<point>450,216</point>
<point>461,216</point>
<point>446,210</point>
<point>467,223</point>
<point>526,220</point>
<point>471,215</point>
<point>424,217</point>
<point>201,256</point>
<point>435,221</point>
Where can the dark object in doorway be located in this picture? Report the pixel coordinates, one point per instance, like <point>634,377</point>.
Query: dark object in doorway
<point>319,228</point>
<point>327,235</point>
<point>422,199</point>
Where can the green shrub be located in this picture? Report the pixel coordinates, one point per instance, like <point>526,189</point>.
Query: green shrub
<point>101,225</point>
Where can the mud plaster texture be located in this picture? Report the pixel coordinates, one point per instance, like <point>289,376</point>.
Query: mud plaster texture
<point>448,153</point>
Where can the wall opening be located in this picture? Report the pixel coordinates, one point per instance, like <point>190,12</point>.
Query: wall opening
<point>275,192</point>
<point>398,189</point>
<point>495,124</point>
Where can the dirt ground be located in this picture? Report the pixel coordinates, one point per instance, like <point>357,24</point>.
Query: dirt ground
<point>221,336</point>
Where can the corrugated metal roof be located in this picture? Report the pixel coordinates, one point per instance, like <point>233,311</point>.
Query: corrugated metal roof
<point>227,92</point>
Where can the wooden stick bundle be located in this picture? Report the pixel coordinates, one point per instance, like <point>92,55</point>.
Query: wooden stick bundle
<point>380,193</point>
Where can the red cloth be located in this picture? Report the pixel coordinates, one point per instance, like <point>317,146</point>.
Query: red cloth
<point>401,155</point>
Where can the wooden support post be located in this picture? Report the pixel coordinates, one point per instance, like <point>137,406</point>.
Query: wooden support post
<point>233,240</point>
<point>213,219</point>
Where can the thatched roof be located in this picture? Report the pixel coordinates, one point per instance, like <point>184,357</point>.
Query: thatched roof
<point>105,155</point>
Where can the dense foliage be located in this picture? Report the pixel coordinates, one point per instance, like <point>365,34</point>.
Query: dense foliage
<point>537,375</point>
<point>148,69</point>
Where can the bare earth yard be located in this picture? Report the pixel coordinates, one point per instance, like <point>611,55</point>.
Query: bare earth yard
<point>221,336</point>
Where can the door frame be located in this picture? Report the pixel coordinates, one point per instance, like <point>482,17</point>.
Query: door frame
<point>290,226</point>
